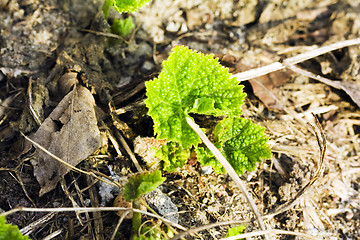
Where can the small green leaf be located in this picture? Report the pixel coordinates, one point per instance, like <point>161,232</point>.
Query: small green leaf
<point>236,230</point>
<point>206,158</point>
<point>106,7</point>
<point>9,231</point>
<point>190,83</point>
<point>142,183</point>
<point>151,231</point>
<point>123,27</point>
<point>128,5</point>
<point>242,142</point>
<point>173,155</point>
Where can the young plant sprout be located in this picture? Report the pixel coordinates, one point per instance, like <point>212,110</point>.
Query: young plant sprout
<point>192,83</point>
<point>138,186</point>
<point>122,27</point>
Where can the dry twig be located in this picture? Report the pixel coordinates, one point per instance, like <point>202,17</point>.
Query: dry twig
<point>230,171</point>
<point>207,226</point>
<point>36,224</point>
<point>272,231</point>
<point>90,209</point>
<point>257,72</point>
<point>320,136</point>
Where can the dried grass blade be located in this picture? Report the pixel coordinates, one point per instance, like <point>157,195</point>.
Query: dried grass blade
<point>90,209</point>
<point>320,137</point>
<point>230,171</point>
<point>257,72</point>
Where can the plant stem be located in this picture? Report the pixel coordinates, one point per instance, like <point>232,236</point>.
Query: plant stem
<point>230,171</point>
<point>106,8</point>
<point>136,220</point>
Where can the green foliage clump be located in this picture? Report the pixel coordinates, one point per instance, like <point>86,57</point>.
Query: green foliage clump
<point>9,231</point>
<point>137,186</point>
<point>236,230</point>
<point>242,142</point>
<point>142,183</point>
<point>190,83</point>
<point>150,232</point>
<point>193,83</point>
<point>123,27</point>
<point>173,156</point>
<point>127,5</point>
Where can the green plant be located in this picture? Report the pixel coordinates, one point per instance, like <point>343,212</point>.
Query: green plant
<point>137,186</point>
<point>236,230</point>
<point>127,5</point>
<point>123,27</point>
<point>141,184</point>
<point>191,83</point>
<point>9,231</point>
<point>122,6</point>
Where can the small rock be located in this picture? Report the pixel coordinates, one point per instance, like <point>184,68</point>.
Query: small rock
<point>173,27</point>
<point>106,191</point>
<point>183,28</point>
<point>206,170</point>
<point>147,66</point>
<point>163,205</point>
<point>87,202</point>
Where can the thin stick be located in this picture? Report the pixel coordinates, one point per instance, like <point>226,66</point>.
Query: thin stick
<point>53,234</point>
<point>72,200</point>
<point>229,169</point>
<point>128,150</point>
<point>308,74</point>
<point>271,231</point>
<point>36,224</point>
<point>114,142</point>
<point>119,223</point>
<point>90,209</point>
<point>207,226</point>
<point>105,34</point>
<point>32,110</point>
<point>351,88</point>
<point>320,137</point>
<point>257,72</point>
<point>23,187</point>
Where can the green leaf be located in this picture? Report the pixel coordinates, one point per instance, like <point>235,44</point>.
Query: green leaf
<point>190,83</point>
<point>9,231</point>
<point>236,231</point>
<point>128,5</point>
<point>242,142</point>
<point>123,27</point>
<point>141,184</point>
<point>106,7</point>
<point>151,231</point>
<point>206,158</point>
<point>173,155</point>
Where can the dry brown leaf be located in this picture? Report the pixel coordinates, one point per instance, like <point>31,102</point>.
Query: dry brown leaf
<point>70,132</point>
<point>264,87</point>
<point>352,89</point>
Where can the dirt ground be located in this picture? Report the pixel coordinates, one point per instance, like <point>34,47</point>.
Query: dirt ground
<point>41,42</point>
